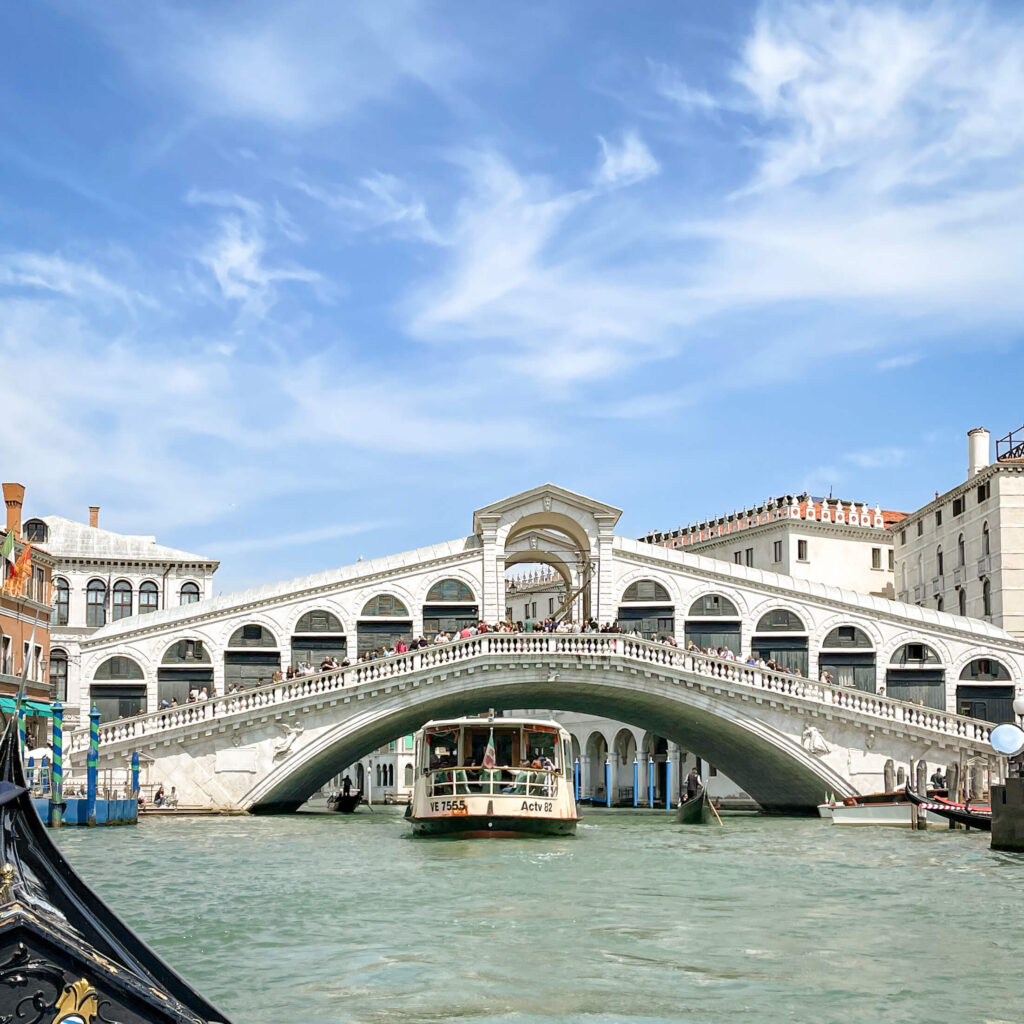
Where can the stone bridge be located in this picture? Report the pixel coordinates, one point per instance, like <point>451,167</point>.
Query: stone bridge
<point>785,739</point>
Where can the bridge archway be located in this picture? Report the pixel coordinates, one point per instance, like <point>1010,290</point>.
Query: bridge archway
<point>772,767</point>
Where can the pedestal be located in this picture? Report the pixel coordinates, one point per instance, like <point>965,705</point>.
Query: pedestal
<point>1008,816</point>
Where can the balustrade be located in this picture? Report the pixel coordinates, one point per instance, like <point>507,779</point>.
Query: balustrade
<point>512,645</point>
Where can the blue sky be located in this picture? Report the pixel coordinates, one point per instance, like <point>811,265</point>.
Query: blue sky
<point>287,284</point>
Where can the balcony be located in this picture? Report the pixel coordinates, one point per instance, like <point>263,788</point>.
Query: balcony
<point>985,565</point>
<point>959,576</point>
<point>938,585</point>
<point>903,596</point>
<point>918,593</point>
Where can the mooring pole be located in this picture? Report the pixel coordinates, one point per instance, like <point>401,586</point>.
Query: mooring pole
<point>92,765</point>
<point>576,778</point>
<point>650,781</point>
<point>668,783</point>
<point>607,783</point>
<point>57,789</point>
<point>636,781</point>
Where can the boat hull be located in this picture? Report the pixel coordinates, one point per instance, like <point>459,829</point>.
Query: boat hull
<point>344,804</point>
<point>473,826</point>
<point>695,810</point>
<point>892,815</point>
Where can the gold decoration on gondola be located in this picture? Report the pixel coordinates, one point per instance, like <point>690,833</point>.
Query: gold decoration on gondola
<point>6,882</point>
<point>78,1004</point>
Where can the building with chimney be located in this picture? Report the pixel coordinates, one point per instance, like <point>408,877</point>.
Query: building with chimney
<point>963,552</point>
<point>100,577</point>
<point>24,615</point>
<point>827,540</point>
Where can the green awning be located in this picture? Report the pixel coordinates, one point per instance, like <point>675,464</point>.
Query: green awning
<point>32,707</point>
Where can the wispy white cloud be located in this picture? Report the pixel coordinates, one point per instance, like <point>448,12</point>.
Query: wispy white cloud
<point>297,65</point>
<point>237,255</point>
<point>897,362</point>
<point>49,272</point>
<point>878,458</point>
<point>380,201</point>
<point>627,163</point>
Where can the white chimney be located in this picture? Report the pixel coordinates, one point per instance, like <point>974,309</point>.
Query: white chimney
<point>977,451</point>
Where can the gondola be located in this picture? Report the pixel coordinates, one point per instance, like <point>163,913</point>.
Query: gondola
<point>695,811</point>
<point>963,814</point>
<point>65,957</point>
<point>344,803</point>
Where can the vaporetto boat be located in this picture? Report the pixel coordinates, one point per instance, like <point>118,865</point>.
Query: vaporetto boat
<point>493,776</point>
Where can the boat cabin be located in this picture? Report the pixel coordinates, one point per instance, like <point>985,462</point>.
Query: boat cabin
<point>529,758</point>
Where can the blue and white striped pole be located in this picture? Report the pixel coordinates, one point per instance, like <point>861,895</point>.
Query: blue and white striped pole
<point>21,732</point>
<point>44,771</point>
<point>650,781</point>
<point>92,765</point>
<point>607,783</point>
<point>668,784</point>
<point>31,773</point>
<point>135,774</point>
<point>576,778</point>
<point>57,793</point>
<point>636,781</point>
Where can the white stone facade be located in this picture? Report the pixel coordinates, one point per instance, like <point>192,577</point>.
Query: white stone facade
<point>879,628</point>
<point>965,549</point>
<point>134,572</point>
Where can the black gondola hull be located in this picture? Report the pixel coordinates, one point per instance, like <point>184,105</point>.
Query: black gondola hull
<point>959,813</point>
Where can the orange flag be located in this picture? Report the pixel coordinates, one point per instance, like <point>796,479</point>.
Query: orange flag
<point>21,572</point>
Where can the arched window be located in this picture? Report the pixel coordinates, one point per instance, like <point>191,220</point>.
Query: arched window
<point>36,531</point>
<point>59,674</point>
<point>391,774</point>
<point>449,590</point>
<point>61,602</point>
<point>986,543</point>
<point>385,604</point>
<point>186,652</point>
<point>252,636</point>
<point>122,600</point>
<point>903,577</point>
<point>938,560</point>
<point>939,603</point>
<point>915,654</point>
<point>645,590</point>
<point>408,775</point>
<point>149,597</point>
<point>985,670</point>
<point>96,603</point>
<point>920,570</point>
<point>961,553</point>
<point>780,620</point>
<point>986,598</point>
<point>378,776</point>
<point>318,621</point>
<point>715,606</point>
<point>119,668</point>
<point>846,636</point>
<point>962,598</point>
<point>189,593</point>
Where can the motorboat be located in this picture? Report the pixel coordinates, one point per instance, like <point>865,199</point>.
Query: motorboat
<point>891,809</point>
<point>977,816</point>
<point>487,776</point>
<point>65,957</point>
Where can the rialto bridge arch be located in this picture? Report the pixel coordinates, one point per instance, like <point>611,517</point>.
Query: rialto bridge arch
<point>784,740</point>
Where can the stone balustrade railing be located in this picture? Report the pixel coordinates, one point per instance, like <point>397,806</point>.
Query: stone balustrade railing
<point>512,645</point>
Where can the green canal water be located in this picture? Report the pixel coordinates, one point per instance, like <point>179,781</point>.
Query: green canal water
<point>321,918</point>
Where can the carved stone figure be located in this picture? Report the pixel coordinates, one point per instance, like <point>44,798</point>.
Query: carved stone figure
<point>283,746</point>
<point>813,741</point>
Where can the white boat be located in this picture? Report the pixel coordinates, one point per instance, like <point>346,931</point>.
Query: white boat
<point>891,809</point>
<point>492,776</point>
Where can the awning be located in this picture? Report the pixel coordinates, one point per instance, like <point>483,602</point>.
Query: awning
<point>31,707</point>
